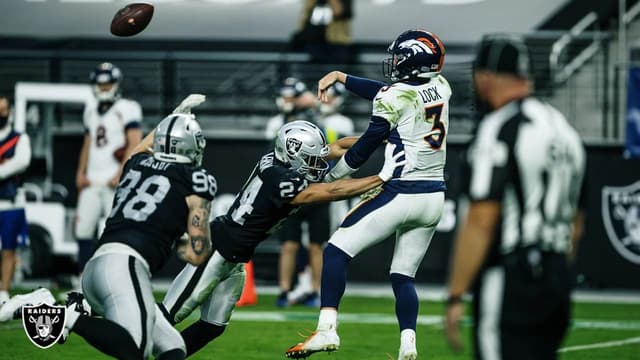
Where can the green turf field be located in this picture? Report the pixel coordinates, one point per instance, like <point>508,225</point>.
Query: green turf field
<point>367,330</point>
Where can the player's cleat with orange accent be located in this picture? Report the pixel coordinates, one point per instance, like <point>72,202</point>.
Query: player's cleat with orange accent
<point>319,340</point>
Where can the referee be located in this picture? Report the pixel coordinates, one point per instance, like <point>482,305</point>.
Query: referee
<point>525,170</point>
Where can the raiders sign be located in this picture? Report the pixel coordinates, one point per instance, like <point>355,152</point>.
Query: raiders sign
<point>43,324</point>
<point>621,218</point>
<point>293,146</point>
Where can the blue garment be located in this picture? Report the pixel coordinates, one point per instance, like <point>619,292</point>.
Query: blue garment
<point>407,303</point>
<point>334,276</point>
<point>378,131</point>
<point>363,87</point>
<point>13,229</point>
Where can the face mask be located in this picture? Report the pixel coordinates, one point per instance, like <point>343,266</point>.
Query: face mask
<point>4,120</point>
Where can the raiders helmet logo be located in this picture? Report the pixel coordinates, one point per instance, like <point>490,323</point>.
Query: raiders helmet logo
<point>293,146</point>
<point>43,323</point>
<point>621,218</point>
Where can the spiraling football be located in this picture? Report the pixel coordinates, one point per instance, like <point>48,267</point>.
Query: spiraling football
<point>131,19</point>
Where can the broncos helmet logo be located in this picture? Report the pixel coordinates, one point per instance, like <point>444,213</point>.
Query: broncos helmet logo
<point>417,46</point>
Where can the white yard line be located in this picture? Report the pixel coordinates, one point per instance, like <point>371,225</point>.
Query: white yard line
<point>601,345</point>
<point>428,320</point>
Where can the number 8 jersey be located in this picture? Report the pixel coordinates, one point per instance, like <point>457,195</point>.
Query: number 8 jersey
<point>149,209</point>
<point>418,115</point>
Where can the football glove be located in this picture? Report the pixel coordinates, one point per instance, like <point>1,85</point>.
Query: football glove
<point>391,163</point>
<point>188,103</point>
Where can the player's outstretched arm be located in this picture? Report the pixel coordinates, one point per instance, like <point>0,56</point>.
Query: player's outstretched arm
<point>195,248</point>
<point>363,87</point>
<point>346,188</point>
<point>145,145</point>
<point>339,147</point>
<point>337,190</point>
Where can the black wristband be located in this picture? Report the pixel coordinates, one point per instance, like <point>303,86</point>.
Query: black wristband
<point>454,299</point>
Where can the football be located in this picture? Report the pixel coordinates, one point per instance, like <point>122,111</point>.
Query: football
<point>131,19</point>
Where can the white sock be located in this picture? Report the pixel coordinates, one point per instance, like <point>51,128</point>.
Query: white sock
<point>408,338</point>
<point>71,317</point>
<point>328,319</point>
<point>4,296</point>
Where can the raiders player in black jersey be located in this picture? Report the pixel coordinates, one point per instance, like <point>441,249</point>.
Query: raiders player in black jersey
<point>281,181</point>
<point>160,197</point>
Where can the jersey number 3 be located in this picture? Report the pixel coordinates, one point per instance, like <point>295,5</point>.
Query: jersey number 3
<point>144,203</point>
<point>435,138</point>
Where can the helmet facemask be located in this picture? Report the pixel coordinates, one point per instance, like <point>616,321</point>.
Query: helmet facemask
<point>110,95</point>
<point>303,146</point>
<point>314,168</point>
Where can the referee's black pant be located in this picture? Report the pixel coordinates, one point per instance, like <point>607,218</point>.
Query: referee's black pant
<point>521,311</point>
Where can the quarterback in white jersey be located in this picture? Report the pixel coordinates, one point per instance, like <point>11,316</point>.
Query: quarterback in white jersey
<point>112,130</point>
<point>412,115</point>
<point>419,118</point>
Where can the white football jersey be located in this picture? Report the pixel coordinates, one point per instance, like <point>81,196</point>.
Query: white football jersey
<point>419,118</point>
<point>107,132</point>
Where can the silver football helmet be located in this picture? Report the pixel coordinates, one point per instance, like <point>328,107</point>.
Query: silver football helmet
<point>178,138</point>
<point>303,146</point>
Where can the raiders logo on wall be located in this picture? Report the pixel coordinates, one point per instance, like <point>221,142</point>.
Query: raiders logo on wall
<point>293,146</point>
<point>621,218</point>
<point>43,324</point>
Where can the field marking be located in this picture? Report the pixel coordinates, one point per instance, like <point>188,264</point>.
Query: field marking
<point>606,344</point>
<point>429,320</point>
<point>375,318</point>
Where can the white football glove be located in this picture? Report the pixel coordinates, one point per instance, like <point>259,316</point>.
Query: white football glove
<point>188,103</point>
<point>340,170</point>
<point>391,162</point>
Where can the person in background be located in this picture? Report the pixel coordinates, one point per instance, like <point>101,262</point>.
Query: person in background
<point>335,124</point>
<point>325,31</point>
<point>112,131</point>
<point>525,168</point>
<point>294,102</point>
<point>15,157</point>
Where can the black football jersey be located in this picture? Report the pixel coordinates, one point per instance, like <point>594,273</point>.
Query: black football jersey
<point>149,209</point>
<point>258,210</point>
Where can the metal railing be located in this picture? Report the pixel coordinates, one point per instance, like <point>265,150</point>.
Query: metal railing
<point>560,73</point>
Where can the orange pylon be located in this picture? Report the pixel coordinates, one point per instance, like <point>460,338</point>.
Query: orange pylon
<point>249,296</point>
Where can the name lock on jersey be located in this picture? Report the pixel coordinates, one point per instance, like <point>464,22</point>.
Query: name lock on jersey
<point>430,94</point>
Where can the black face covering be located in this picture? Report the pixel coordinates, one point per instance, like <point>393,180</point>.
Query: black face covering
<point>104,106</point>
<point>4,120</point>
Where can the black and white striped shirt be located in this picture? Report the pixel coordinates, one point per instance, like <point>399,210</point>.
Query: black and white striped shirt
<point>526,156</point>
